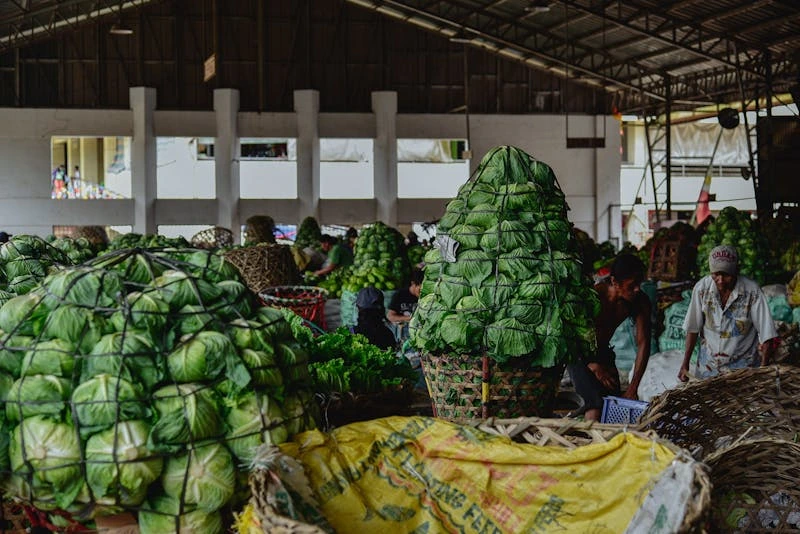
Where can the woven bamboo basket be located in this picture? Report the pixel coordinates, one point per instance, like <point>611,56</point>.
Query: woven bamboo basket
<point>275,475</point>
<point>96,235</point>
<point>342,409</point>
<point>214,237</point>
<point>706,415</point>
<point>13,519</point>
<point>756,487</point>
<point>259,229</point>
<point>263,266</point>
<point>465,388</point>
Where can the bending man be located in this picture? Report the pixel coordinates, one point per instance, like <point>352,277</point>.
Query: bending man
<point>620,298</point>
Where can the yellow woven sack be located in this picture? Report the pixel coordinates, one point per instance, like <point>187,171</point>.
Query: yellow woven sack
<point>419,474</point>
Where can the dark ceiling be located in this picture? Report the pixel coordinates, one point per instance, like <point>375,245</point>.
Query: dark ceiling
<point>627,55</point>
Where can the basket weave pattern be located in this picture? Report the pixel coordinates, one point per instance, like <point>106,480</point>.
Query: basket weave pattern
<point>264,266</point>
<point>756,487</point>
<point>456,385</point>
<point>707,415</point>
<point>96,235</point>
<point>214,237</point>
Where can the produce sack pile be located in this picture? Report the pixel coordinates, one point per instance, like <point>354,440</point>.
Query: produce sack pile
<point>144,381</point>
<point>736,228</point>
<point>379,259</point>
<point>309,234</point>
<point>516,286</point>
<point>420,474</point>
<point>25,260</point>
<point>132,240</point>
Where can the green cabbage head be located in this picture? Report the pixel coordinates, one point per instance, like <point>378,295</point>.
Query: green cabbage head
<point>205,477</point>
<point>119,466</point>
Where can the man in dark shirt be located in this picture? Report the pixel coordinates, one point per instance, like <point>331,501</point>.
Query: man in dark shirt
<point>620,296</point>
<point>371,325</point>
<point>404,301</point>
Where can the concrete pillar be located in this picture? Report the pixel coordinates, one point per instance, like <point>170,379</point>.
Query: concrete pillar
<point>384,106</point>
<point>143,159</point>
<point>607,165</point>
<point>306,106</point>
<point>226,159</point>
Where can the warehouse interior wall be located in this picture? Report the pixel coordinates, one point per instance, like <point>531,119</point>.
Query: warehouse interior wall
<point>588,176</point>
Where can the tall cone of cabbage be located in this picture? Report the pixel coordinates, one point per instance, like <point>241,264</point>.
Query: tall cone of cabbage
<point>515,287</point>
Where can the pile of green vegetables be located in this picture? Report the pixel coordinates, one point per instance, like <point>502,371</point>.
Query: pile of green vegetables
<point>24,261</point>
<point>308,234</point>
<point>379,259</point>
<point>515,287</point>
<point>133,240</point>
<point>333,282</point>
<point>143,381</point>
<point>416,254</point>
<point>77,250</point>
<point>342,362</point>
<point>737,228</point>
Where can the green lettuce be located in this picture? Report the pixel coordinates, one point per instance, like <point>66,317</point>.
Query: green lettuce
<point>205,477</point>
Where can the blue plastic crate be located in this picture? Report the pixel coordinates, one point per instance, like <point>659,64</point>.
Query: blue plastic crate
<point>622,411</point>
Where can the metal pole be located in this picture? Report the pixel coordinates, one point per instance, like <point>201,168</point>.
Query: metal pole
<point>652,167</point>
<point>261,55</point>
<point>668,160</point>
<point>466,95</point>
<point>751,163</point>
<point>770,132</point>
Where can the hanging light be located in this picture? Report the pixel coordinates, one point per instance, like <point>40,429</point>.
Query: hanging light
<point>120,28</point>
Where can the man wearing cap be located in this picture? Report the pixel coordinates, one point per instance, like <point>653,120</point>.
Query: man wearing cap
<point>730,315</point>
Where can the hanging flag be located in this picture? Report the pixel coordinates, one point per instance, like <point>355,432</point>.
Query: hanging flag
<point>702,212</point>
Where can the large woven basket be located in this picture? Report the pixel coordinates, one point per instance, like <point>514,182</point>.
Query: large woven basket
<point>756,487</point>
<point>263,266</point>
<point>465,388</point>
<point>96,235</point>
<point>13,519</point>
<point>706,415</point>
<point>259,229</point>
<point>214,237</point>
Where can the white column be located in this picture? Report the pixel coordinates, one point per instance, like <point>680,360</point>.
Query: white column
<point>306,106</point>
<point>226,159</point>
<point>608,163</point>
<point>384,106</point>
<point>143,159</point>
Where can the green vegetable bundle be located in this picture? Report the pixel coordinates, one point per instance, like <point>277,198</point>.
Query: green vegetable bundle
<point>737,228</point>
<point>25,260</point>
<point>416,254</point>
<point>334,282</point>
<point>516,287</point>
<point>144,381</point>
<point>380,259</point>
<point>309,233</point>
<point>132,240</point>
<point>347,363</point>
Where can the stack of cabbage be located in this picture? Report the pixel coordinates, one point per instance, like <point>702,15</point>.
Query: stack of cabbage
<point>516,286</point>
<point>24,261</point>
<point>380,259</point>
<point>141,381</point>
<point>132,240</point>
<point>737,228</point>
<point>308,234</point>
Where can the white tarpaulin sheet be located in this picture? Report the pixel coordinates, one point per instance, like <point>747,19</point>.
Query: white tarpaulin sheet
<point>693,143</point>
